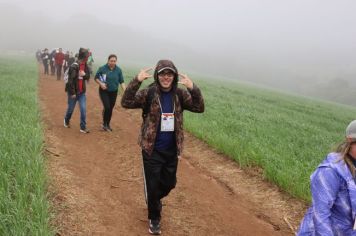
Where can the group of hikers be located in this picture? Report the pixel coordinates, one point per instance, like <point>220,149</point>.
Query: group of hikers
<point>333,186</point>
<point>57,60</point>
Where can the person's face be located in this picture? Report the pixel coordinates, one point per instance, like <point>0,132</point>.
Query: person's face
<point>112,62</point>
<point>352,151</point>
<point>165,79</point>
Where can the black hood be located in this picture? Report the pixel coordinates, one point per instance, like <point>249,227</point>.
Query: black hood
<point>83,53</point>
<point>163,65</point>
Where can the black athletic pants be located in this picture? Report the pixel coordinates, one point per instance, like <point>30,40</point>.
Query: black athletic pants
<point>160,173</point>
<point>53,68</point>
<point>108,99</point>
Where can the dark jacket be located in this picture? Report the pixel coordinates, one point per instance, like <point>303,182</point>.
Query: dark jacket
<point>72,86</point>
<point>192,100</point>
<point>45,58</point>
<point>71,60</point>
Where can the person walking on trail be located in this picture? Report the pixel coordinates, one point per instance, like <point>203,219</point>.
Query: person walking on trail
<point>65,61</point>
<point>45,60</point>
<point>52,61</point>
<point>161,137</point>
<point>109,77</point>
<point>333,189</point>
<point>76,87</point>
<point>38,56</point>
<point>59,59</point>
<point>90,61</point>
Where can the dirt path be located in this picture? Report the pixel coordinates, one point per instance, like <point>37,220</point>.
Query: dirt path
<point>97,186</point>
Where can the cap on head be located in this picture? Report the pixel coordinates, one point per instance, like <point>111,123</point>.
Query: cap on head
<point>167,68</point>
<point>351,130</point>
<point>166,65</point>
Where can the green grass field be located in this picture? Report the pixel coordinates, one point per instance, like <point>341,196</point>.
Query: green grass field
<point>24,207</point>
<point>286,135</point>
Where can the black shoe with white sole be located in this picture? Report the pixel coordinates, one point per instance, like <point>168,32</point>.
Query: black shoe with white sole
<point>66,124</point>
<point>154,227</point>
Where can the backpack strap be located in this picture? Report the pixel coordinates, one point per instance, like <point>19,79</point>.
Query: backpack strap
<point>75,65</point>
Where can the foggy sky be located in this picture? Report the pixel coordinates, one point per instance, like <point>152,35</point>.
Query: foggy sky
<point>285,25</point>
<point>283,43</point>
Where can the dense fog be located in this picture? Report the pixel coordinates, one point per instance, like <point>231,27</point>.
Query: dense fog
<point>300,46</point>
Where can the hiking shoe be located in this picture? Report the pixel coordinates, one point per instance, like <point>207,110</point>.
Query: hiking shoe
<point>66,124</point>
<point>154,227</point>
<point>106,128</point>
<point>85,131</point>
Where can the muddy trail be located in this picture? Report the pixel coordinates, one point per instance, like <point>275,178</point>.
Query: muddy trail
<point>96,181</point>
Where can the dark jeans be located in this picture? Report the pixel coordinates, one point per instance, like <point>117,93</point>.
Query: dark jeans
<point>53,69</point>
<point>81,98</point>
<point>108,99</point>
<point>45,68</point>
<point>160,173</point>
<point>59,71</point>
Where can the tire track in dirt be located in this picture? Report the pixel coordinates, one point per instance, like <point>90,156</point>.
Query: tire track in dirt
<point>96,181</point>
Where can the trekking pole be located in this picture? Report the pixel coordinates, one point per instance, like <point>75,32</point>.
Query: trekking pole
<point>144,181</point>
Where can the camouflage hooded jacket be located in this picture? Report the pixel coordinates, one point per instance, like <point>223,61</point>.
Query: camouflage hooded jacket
<point>192,100</point>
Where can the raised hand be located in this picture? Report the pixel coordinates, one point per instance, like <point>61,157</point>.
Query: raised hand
<point>186,81</point>
<point>144,74</point>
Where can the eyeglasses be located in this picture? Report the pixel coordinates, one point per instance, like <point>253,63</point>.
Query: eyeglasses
<point>166,73</point>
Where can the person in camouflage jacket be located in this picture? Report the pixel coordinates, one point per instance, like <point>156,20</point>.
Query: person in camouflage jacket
<point>161,136</point>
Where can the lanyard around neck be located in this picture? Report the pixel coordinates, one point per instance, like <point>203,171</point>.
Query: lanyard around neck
<point>159,102</point>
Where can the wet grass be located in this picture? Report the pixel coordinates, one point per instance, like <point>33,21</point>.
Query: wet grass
<point>24,207</point>
<point>287,136</point>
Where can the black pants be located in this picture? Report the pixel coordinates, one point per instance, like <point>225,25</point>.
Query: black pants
<point>160,173</point>
<point>59,71</point>
<point>53,69</point>
<point>45,68</point>
<point>108,99</point>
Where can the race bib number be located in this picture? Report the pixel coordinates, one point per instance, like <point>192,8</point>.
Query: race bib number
<point>167,122</point>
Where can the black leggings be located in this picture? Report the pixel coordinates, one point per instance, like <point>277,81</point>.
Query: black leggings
<point>108,99</point>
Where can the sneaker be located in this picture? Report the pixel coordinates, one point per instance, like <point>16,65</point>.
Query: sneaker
<point>154,227</point>
<point>85,131</point>
<point>66,124</point>
<point>106,128</point>
<point>109,128</point>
